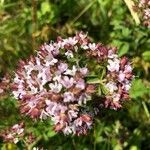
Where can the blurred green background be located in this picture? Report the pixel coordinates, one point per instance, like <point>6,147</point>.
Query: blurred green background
<point>26,24</point>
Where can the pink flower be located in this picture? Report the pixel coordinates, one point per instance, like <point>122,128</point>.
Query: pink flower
<point>78,122</point>
<point>1,90</point>
<point>113,65</point>
<point>128,68</point>
<point>71,41</point>
<point>127,86</point>
<point>84,71</point>
<point>50,60</point>
<point>82,35</point>
<point>67,130</point>
<point>62,67</point>
<point>56,87</point>
<point>111,86</point>
<point>67,82</point>
<point>72,114</point>
<point>121,76</point>
<point>116,97</point>
<point>111,54</point>
<point>49,47</point>
<point>80,84</point>
<point>69,97</point>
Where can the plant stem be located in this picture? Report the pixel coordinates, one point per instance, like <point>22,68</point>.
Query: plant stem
<point>82,12</point>
<point>30,147</point>
<point>130,5</point>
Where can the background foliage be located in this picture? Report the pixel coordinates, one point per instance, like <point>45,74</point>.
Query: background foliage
<point>25,24</point>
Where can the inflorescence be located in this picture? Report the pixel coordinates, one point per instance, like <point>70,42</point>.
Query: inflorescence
<point>63,78</point>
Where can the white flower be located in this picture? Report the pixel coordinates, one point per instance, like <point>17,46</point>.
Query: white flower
<point>67,130</point>
<point>111,54</point>
<point>121,76</point>
<point>48,102</point>
<point>76,48</point>
<point>113,65</point>
<point>56,87</point>
<point>111,86</point>
<point>15,126</point>
<point>1,90</point>
<point>19,93</point>
<point>38,62</point>
<point>19,131</point>
<point>72,114</point>
<point>57,78</point>
<point>69,54</point>
<point>17,80</point>
<point>82,99</point>
<point>71,72</point>
<point>147,12</point>
<point>71,41</point>
<point>44,76</point>
<point>49,47</point>
<point>127,86</point>
<point>57,46</point>
<point>33,89</point>
<point>84,47</point>
<point>128,68</point>
<point>43,115</point>
<point>9,136</point>
<point>69,97</point>
<point>50,60</point>
<point>35,148</point>
<point>82,36</point>
<point>92,46</point>
<point>78,122</point>
<point>116,97</point>
<point>16,140</point>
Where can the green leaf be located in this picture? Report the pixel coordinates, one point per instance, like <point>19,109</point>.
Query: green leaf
<point>103,73</point>
<point>116,43</point>
<point>138,89</point>
<point>123,49</point>
<point>45,7</point>
<point>93,80</point>
<point>99,91</point>
<point>117,147</point>
<point>134,147</point>
<point>51,133</point>
<point>146,55</point>
<point>126,32</point>
<point>104,89</point>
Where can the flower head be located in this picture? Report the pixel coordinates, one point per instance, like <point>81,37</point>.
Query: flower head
<point>55,83</point>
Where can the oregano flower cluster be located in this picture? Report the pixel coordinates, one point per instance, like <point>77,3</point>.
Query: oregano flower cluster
<point>14,134</point>
<point>62,80</point>
<point>18,133</point>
